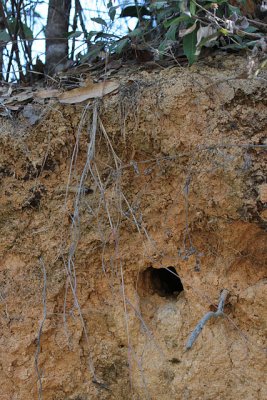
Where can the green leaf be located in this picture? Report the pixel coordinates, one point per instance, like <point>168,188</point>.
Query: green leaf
<point>183,6</point>
<point>136,32</point>
<point>192,7</point>
<point>171,32</point>
<point>27,31</point>
<point>105,36</point>
<point>251,29</point>
<point>100,21</point>
<point>112,13</point>
<point>189,46</point>
<point>233,10</point>
<point>224,31</point>
<point>4,36</point>
<point>177,21</point>
<point>11,24</point>
<point>91,34</point>
<point>238,39</point>
<point>120,45</point>
<point>74,34</point>
<point>163,47</point>
<point>164,14</point>
<point>93,53</point>
<point>158,5</point>
<point>133,11</point>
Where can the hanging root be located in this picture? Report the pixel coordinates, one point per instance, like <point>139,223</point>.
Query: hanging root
<point>194,335</point>
<point>38,371</point>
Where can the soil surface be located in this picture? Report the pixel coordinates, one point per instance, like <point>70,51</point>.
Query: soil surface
<point>97,200</point>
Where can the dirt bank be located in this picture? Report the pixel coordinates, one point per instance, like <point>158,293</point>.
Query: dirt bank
<point>97,201</point>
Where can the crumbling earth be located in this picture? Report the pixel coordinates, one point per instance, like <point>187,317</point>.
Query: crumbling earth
<point>97,200</point>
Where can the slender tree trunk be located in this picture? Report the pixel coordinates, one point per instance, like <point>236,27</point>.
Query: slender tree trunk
<point>56,35</point>
<point>2,46</point>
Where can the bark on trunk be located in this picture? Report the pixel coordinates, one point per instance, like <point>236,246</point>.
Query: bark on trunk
<point>56,35</point>
<point>2,46</point>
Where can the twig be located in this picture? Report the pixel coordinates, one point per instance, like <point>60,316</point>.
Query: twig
<point>194,335</point>
<point>39,374</point>
<point>258,23</point>
<point>14,38</point>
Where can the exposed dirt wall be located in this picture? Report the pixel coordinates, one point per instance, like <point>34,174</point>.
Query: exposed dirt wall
<point>96,201</point>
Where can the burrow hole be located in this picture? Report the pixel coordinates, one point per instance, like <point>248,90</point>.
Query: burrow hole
<point>163,281</point>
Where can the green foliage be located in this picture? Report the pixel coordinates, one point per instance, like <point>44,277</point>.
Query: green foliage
<point>100,21</point>
<point>165,28</point>
<point>133,11</point>
<point>4,36</point>
<point>189,46</point>
<point>193,24</point>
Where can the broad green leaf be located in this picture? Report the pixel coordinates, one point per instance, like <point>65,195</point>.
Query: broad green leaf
<point>27,31</point>
<point>91,34</point>
<point>252,43</point>
<point>75,34</point>
<point>112,13</point>
<point>183,6</point>
<point>251,29</point>
<point>93,53</point>
<point>163,47</point>
<point>192,7</point>
<point>164,14</point>
<point>158,5</point>
<point>100,21</point>
<point>233,9</point>
<point>11,24</point>
<point>189,46</point>
<point>133,11</point>
<point>36,15</point>
<point>105,36</point>
<point>136,32</point>
<point>176,21</point>
<point>171,32</point>
<point>4,36</point>
<point>120,45</point>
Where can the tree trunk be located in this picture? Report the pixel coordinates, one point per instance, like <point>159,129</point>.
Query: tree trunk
<point>2,46</point>
<point>56,35</point>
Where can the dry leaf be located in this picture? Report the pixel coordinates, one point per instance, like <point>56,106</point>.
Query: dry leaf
<point>20,97</point>
<point>13,107</point>
<point>47,93</point>
<point>184,32</point>
<point>91,91</point>
<point>204,32</point>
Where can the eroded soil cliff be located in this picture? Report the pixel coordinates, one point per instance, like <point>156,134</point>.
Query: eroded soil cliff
<point>97,201</point>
